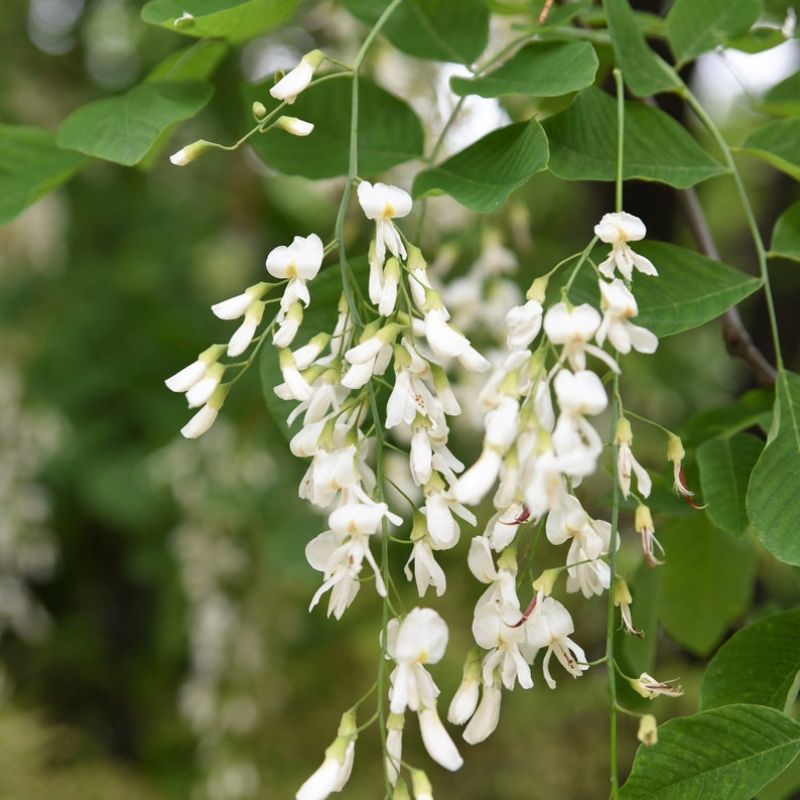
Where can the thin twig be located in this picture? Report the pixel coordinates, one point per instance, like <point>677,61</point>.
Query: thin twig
<point>738,341</point>
<point>545,11</point>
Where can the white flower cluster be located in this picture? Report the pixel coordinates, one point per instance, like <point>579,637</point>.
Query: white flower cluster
<point>540,451</point>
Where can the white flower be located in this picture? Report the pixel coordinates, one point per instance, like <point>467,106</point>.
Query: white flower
<point>484,721</point>
<point>501,529</point>
<point>388,294</point>
<point>288,326</point>
<point>550,626</point>
<point>442,526</point>
<point>295,126</point>
<point>437,740</point>
<point>627,465</point>
<point>383,203</point>
<point>297,79</point>
<point>617,230</point>
<point>421,458</point>
<point>394,746</point>
<point>421,638</point>
<point>619,307</point>
<point>240,304</point>
<point>573,328</point>
<point>298,262</point>
<point>244,334</point>
<point>465,700</point>
<point>502,580</point>
<point>649,687</point>
<point>333,773</point>
<point>426,571</point>
<point>493,631</point>
<point>544,484</point>
<point>331,472</point>
<point>206,416</point>
<point>523,324</point>
<point>643,523</point>
<point>446,342</point>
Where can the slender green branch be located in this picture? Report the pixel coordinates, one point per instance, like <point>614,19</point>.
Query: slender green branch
<point>577,268</point>
<point>752,224</point>
<point>620,138</point>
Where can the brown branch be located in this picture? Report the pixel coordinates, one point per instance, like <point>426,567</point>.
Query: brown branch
<point>545,11</point>
<point>738,341</point>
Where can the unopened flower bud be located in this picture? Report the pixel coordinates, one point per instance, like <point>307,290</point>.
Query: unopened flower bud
<point>624,434</point>
<point>675,451</point>
<point>190,152</point>
<point>420,785</point>
<point>643,519</point>
<point>538,289</point>
<point>401,791</point>
<point>546,581</point>
<point>394,745</point>
<point>415,259</point>
<point>185,20</point>
<point>648,730</point>
<point>259,110</point>
<point>465,700</point>
<point>295,126</point>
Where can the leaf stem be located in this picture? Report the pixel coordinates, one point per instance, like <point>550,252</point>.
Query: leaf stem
<point>752,224</point>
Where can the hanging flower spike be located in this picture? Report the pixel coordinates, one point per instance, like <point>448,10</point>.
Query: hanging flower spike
<point>617,230</point>
<point>383,203</point>
<point>627,465</point>
<point>297,80</point>
<point>619,307</point>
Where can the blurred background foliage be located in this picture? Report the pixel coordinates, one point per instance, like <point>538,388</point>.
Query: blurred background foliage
<point>156,642</point>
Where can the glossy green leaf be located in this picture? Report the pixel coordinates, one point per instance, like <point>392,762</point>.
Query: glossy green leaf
<point>389,131</point>
<point>689,290</point>
<point>778,143</point>
<point>319,317</point>
<point>123,128</point>
<point>544,69</point>
<point>31,165</point>
<point>784,98</point>
<point>786,234</point>
<point>726,753</point>
<point>482,176</point>
<point>759,664</point>
<point>442,30</point>
<point>644,72</point>
<point>772,497</point>
<point>697,26</point>
<point>706,582</point>
<point>199,61</point>
<point>235,20</point>
<point>725,467</point>
<point>583,144</point>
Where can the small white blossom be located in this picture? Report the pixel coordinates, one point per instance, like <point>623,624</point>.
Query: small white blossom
<point>523,324</point>
<point>383,203</point>
<point>550,627</point>
<point>573,328</point>
<point>619,307</point>
<point>617,230</point>
<point>298,262</point>
<point>297,79</point>
<point>484,721</point>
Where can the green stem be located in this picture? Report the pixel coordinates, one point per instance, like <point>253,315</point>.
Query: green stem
<point>581,261</point>
<point>620,138</point>
<point>752,224</point>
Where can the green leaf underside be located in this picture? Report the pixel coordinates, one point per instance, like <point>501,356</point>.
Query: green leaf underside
<point>389,131</point>
<point>759,665</point>
<point>544,69</point>
<point>725,468</point>
<point>786,234</point>
<point>235,20</point>
<point>727,753</point>
<point>31,165</point>
<point>772,497</point>
<point>784,98</point>
<point>643,71</point>
<point>706,582</point>
<point>123,128</point>
<point>482,176</point>
<point>697,26</point>
<point>198,61</point>
<point>319,317</point>
<point>689,290</point>
<point>441,30</point>
<point>583,144</point>
<point>778,143</point>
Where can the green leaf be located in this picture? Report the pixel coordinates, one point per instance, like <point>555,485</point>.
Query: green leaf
<point>389,131</point>
<point>756,40</point>
<point>777,143</point>
<point>199,61</point>
<point>583,144</point>
<point>320,316</point>
<point>706,582</point>
<point>726,753</point>
<point>644,72</point>
<point>786,234</point>
<point>751,409</point>
<point>123,128</point>
<point>235,20</point>
<point>544,69</point>
<point>725,467</point>
<point>697,26</point>
<point>482,176</point>
<point>772,497</point>
<point>689,290</point>
<point>759,664</point>
<point>442,30</point>
<point>784,98</point>
<point>31,165</point>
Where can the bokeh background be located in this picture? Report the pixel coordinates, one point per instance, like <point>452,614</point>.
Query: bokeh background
<point>155,642</point>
